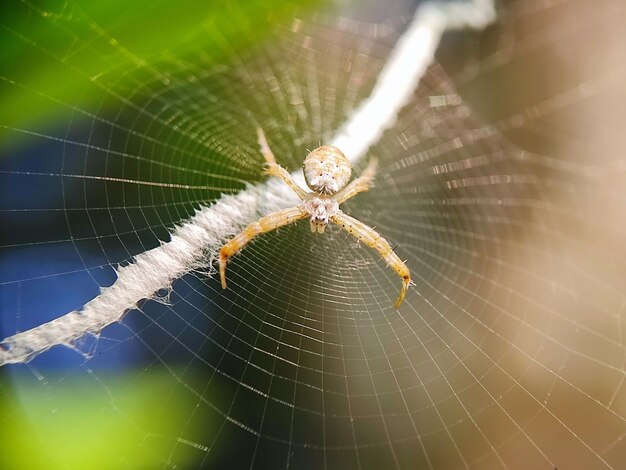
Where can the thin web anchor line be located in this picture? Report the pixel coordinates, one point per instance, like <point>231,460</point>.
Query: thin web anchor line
<point>201,236</point>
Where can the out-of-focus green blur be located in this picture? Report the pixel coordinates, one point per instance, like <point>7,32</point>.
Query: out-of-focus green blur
<point>59,55</point>
<point>103,422</point>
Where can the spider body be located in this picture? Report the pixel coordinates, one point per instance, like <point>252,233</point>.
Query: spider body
<point>327,172</point>
<point>321,209</point>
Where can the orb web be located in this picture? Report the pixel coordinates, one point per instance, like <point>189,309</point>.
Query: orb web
<point>501,184</point>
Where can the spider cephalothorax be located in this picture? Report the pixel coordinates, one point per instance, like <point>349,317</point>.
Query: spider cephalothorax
<point>321,209</point>
<point>327,172</point>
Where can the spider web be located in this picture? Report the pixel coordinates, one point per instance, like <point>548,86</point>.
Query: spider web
<point>501,183</point>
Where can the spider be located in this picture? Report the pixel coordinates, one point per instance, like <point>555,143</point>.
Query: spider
<point>327,172</point>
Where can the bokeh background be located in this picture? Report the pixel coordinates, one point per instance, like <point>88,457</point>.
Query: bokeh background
<point>503,184</point>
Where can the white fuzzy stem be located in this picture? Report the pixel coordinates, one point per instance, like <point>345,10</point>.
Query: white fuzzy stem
<point>190,245</point>
<point>202,235</point>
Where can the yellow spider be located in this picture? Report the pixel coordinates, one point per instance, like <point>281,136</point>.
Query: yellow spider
<point>326,171</point>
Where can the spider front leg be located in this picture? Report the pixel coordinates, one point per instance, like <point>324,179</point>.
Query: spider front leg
<point>274,169</point>
<point>371,238</point>
<point>362,183</point>
<point>264,224</point>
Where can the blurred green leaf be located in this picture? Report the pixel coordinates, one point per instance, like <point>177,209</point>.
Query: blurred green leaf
<point>57,56</point>
<point>125,421</point>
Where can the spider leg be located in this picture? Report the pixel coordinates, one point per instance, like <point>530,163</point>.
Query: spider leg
<point>371,238</point>
<point>264,224</point>
<point>362,183</point>
<point>274,169</point>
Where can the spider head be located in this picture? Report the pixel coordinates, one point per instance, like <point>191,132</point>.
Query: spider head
<point>320,210</point>
<point>327,170</point>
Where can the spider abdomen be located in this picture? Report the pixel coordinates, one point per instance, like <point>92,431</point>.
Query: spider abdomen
<point>327,170</point>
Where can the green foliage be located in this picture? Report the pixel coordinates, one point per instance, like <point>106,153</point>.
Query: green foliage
<point>123,421</point>
<point>59,56</point>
